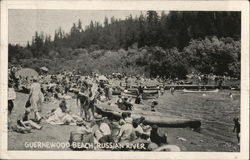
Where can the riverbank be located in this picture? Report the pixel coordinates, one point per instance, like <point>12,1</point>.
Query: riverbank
<point>185,138</point>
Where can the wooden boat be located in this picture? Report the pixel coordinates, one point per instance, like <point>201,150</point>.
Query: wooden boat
<point>135,91</point>
<point>152,118</point>
<point>200,91</point>
<point>150,91</point>
<point>144,96</point>
<point>151,86</point>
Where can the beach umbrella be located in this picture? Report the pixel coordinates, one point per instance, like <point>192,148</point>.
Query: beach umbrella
<point>44,69</point>
<point>26,72</point>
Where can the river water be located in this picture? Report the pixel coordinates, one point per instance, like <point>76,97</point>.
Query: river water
<point>215,111</point>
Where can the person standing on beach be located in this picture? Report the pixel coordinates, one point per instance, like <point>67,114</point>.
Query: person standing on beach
<point>172,88</point>
<point>83,96</point>
<point>140,89</point>
<point>237,128</point>
<point>36,98</point>
<point>162,90</point>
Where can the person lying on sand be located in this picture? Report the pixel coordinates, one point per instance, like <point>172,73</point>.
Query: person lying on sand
<point>25,124</point>
<point>61,115</point>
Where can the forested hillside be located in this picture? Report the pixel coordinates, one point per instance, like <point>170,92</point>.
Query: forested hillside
<point>170,44</point>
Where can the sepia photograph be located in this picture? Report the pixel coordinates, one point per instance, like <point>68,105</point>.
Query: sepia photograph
<point>137,80</point>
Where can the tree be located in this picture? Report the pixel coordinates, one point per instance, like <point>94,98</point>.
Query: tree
<point>79,25</point>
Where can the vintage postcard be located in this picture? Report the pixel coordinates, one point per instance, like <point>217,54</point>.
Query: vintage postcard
<point>124,80</point>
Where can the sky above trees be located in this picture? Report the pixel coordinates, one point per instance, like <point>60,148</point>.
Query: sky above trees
<point>24,23</point>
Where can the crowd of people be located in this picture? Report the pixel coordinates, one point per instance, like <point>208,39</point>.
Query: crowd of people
<point>87,91</point>
<point>90,127</point>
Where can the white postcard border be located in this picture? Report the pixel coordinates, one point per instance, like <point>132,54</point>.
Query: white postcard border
<point>242,6</point>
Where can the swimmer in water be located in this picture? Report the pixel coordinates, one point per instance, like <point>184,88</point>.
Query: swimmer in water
<point>231,95</point>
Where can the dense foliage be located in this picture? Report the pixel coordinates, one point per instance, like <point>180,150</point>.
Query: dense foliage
<point>171,44</point>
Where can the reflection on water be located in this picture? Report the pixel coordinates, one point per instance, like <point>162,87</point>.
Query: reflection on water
<point>215,110</point>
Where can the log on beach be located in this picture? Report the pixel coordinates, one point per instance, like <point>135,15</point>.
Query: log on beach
<point>151,118</point>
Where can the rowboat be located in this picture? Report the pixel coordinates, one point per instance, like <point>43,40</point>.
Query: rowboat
<point>158,118</point>
<point>200,91</point>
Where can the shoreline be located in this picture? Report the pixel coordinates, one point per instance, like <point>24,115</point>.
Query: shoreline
<point>176,136</point>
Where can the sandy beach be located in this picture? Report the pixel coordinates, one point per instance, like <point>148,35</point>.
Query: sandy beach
<point>216,129</point>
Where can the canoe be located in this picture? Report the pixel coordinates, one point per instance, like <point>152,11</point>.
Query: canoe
<point>200,91</point>
<point>150,91</point>
<point>135,91</point>
<point>152,118</point>
<point>144,96</point>
<point>151,86</point>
